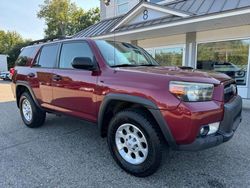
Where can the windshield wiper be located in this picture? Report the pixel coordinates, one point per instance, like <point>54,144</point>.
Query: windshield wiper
<point>125,65</point>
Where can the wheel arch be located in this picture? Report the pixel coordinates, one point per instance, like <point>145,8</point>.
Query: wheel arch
<point>138,101</point>
<point>24,87</point>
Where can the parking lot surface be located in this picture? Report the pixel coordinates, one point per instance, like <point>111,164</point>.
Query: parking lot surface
<point>68,152</point>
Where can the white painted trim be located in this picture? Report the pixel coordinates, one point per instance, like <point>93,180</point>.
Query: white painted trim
<point>224,40</point>
<point>248,74</point>
<point>149,6</point>
<point>165,2</point>
<point>189,21</point>
<point>190,51</point>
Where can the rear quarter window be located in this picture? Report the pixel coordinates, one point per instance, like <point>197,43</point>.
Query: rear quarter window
<point>26,56</point>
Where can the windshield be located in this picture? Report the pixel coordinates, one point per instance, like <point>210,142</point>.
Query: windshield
<point>118,54</point>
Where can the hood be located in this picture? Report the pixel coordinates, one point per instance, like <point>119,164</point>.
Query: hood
<point>178,74</point>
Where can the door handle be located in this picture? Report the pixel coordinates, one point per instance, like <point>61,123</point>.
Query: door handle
<point>57,77</point>
<point>31,75</point>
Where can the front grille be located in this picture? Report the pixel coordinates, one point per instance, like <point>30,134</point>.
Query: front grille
<point>230,90</point>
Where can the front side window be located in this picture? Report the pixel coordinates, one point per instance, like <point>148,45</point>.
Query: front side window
<point>229,57</point>
<point>124,54</point>
<point>70,51</point>
<point>169,56</point>
<point>122,6</point>
<point>47,56</point>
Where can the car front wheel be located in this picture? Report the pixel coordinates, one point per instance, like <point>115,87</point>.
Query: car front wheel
<point>134,142</point>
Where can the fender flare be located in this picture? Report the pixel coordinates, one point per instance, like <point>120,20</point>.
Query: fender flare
<point>25,84</point>
<point>151,106</point>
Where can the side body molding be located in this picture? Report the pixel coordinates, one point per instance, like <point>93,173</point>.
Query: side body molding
<point>152,107</point>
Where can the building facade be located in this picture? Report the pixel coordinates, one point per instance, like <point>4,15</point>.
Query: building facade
<point>203,34</point>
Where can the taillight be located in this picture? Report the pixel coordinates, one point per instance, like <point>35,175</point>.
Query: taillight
<point>12,71</point>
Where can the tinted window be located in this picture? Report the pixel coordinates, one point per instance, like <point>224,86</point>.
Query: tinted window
<point>72,50</point>
<point>48,56</point>
<point>26,56</point>
<point>121,53</point>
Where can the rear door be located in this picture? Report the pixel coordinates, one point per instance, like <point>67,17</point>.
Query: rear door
<point>74,89</point>
<point>40,75</point>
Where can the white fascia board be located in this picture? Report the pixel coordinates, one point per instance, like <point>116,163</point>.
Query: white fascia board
<point>165,2</point>
<point>166,10</point>
<point>188,21</point>
<point>149,6</point>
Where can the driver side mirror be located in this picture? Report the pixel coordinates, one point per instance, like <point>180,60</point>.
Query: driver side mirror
<point>83,63</point>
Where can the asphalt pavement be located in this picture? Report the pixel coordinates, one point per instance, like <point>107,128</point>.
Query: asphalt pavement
<point>68,152</point>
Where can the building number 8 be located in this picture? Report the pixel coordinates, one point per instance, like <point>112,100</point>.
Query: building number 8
<point>145,14</point>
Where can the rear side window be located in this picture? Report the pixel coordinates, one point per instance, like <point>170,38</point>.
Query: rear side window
<point>26,56</point>
<point>72,50</point>
<point>47,56</point>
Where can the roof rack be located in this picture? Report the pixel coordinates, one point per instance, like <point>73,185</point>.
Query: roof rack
<point>49,39</point>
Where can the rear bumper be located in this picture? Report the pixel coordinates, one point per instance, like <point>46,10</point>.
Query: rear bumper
<point>229,124</point>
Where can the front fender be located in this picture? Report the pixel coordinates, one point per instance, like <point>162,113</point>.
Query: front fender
<point>152,107</point>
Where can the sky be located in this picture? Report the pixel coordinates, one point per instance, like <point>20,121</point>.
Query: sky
<point>20,16</point>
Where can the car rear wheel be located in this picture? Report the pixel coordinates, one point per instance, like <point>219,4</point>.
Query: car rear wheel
<point>31,114</point>
<point>135,142</point>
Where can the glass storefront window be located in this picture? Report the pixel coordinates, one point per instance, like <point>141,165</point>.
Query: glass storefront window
<point>169,56</point>
<point>229,57</point>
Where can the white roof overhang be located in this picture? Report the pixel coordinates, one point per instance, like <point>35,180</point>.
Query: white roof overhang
<point>189,24</point>
<point>158,12</point>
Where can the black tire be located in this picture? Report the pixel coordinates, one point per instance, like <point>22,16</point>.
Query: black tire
<point>38,116</point>
<point>153,138</point>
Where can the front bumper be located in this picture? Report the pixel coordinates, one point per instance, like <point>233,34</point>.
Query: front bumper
<point>229,124</point>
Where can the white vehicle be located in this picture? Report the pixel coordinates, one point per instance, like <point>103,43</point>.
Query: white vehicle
<point>5,75</point>
<point>3,63</point>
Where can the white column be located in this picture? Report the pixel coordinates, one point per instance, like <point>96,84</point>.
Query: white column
<point>190,55</point>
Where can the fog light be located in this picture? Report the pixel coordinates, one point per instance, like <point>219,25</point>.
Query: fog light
<point>204,131</point>
<point>213,128</point>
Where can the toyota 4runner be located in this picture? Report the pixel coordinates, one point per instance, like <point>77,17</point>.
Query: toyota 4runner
<point>137,104</point>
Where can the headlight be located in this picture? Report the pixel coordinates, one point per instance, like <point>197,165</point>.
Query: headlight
<point>240,74</point>
<point>191,92</point>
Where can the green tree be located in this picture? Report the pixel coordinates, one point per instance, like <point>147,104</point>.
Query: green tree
<point>82,19</point>
<point>63,17</point>
<point>11,43</point>
<point>15,51</point>
<point>8,40</point>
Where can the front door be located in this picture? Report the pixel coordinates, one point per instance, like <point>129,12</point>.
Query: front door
<point>73,89</point>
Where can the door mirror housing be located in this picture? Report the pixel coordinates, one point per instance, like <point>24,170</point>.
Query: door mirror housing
<point>83,63</point>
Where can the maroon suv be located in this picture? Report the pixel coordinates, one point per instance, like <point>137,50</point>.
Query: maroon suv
<point>139,105</point>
